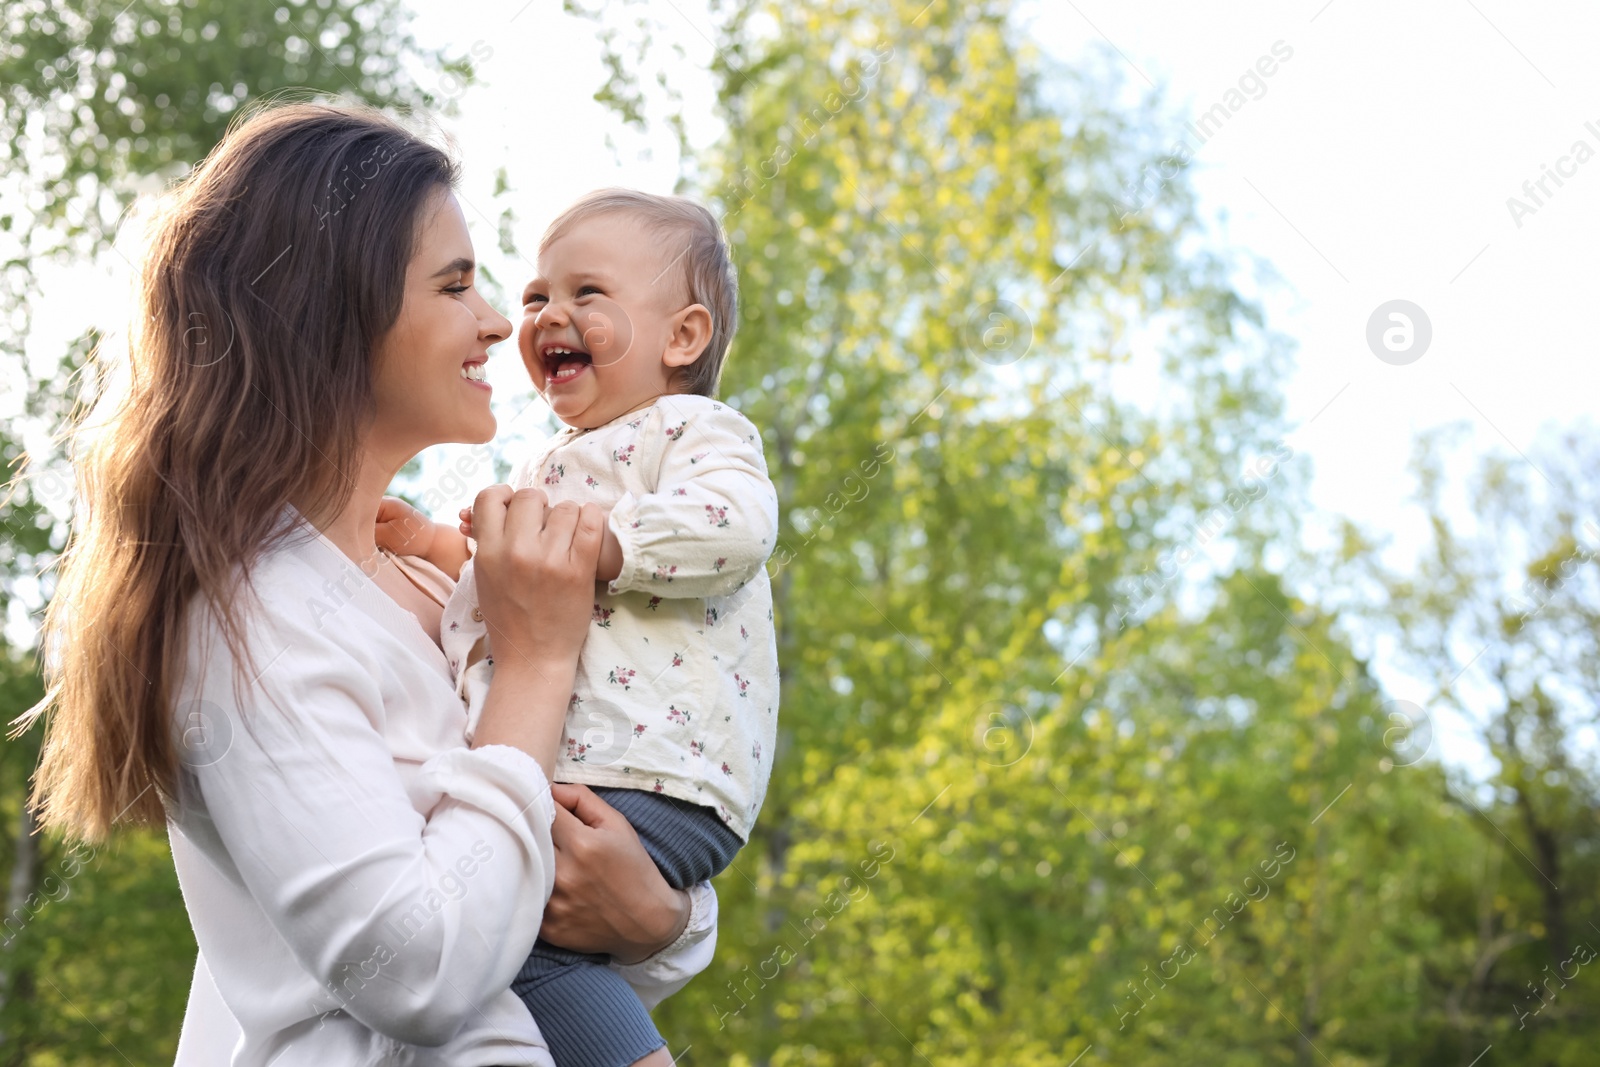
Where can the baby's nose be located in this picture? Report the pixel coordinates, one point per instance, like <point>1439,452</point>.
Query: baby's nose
<point>550,315</point>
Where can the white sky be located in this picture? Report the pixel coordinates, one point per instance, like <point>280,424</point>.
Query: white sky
<point>1376,166</point>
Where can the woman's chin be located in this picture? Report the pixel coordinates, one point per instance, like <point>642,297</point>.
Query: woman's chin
<point>480,430</point>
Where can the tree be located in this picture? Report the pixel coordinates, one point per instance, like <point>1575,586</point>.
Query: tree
<point>1503,611</point>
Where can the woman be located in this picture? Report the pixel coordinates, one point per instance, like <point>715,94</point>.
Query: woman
<point>229,651</point>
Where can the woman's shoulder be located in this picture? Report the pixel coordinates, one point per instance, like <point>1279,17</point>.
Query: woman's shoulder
<point>299,620</point>
<point>297,582</point>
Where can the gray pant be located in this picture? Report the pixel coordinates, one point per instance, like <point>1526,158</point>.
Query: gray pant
<point>589,1016</point>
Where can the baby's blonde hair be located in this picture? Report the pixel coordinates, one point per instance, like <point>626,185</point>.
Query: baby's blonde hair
<point>707,266</point>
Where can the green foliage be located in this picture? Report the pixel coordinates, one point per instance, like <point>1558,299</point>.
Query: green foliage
<point>102,99</point>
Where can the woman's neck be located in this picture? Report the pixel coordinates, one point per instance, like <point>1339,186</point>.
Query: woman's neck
<point>353,529</point>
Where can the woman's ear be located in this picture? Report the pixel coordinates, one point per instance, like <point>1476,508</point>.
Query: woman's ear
<point>691,332</point>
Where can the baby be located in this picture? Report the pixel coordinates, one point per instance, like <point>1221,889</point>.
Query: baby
<point>674,714</point>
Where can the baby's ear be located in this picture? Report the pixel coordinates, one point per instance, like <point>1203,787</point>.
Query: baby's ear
<point>691,332</point>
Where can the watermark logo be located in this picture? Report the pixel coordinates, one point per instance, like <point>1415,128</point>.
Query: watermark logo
<point>1408,734</point>
<point>1399,332</point>
<point>205,733</point>
<point>199,341</point>
<point>599,734</point>
<point>998,332</point>
<point>1002,733</point>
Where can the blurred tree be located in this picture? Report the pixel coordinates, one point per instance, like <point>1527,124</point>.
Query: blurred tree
<point>1503,610</point>
<point>103,101</point>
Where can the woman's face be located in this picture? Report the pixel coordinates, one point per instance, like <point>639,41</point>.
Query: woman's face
<point>429,365</point>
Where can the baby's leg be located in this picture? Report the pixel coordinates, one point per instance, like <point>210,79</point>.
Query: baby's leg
<point>589,1016</point>
<point>689,843</point>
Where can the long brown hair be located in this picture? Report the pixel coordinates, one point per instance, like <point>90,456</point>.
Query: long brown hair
<point>273,271</point>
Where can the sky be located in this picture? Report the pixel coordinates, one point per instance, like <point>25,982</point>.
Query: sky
<point>1373,165</point>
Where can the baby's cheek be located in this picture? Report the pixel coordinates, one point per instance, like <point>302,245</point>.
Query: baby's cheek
<point>530,362</point>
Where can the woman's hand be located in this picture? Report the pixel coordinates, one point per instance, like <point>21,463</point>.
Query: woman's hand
<point>535,567</point>
<point>609,895</point>
<point>610,565</point>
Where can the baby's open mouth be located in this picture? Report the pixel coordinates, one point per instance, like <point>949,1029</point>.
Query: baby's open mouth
<point>562,363</point>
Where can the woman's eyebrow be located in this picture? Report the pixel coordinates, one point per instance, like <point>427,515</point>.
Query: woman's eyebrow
<point>455,266</point>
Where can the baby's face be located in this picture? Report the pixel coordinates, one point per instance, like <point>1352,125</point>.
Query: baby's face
<point>597,320</point>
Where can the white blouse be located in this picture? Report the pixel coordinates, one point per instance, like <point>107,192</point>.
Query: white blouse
<point>363,886</point>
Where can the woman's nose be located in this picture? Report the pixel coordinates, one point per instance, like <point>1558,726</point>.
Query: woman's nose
<point>494,327</point>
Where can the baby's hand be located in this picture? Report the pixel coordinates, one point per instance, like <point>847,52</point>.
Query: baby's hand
<point>466,520</point>
<point>402,529</point>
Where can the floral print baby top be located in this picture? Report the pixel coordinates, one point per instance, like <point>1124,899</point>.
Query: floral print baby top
<point>677,687</point>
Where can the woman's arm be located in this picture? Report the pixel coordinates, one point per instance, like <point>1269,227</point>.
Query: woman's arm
<point>416,921</point>
<point>419,919</point>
